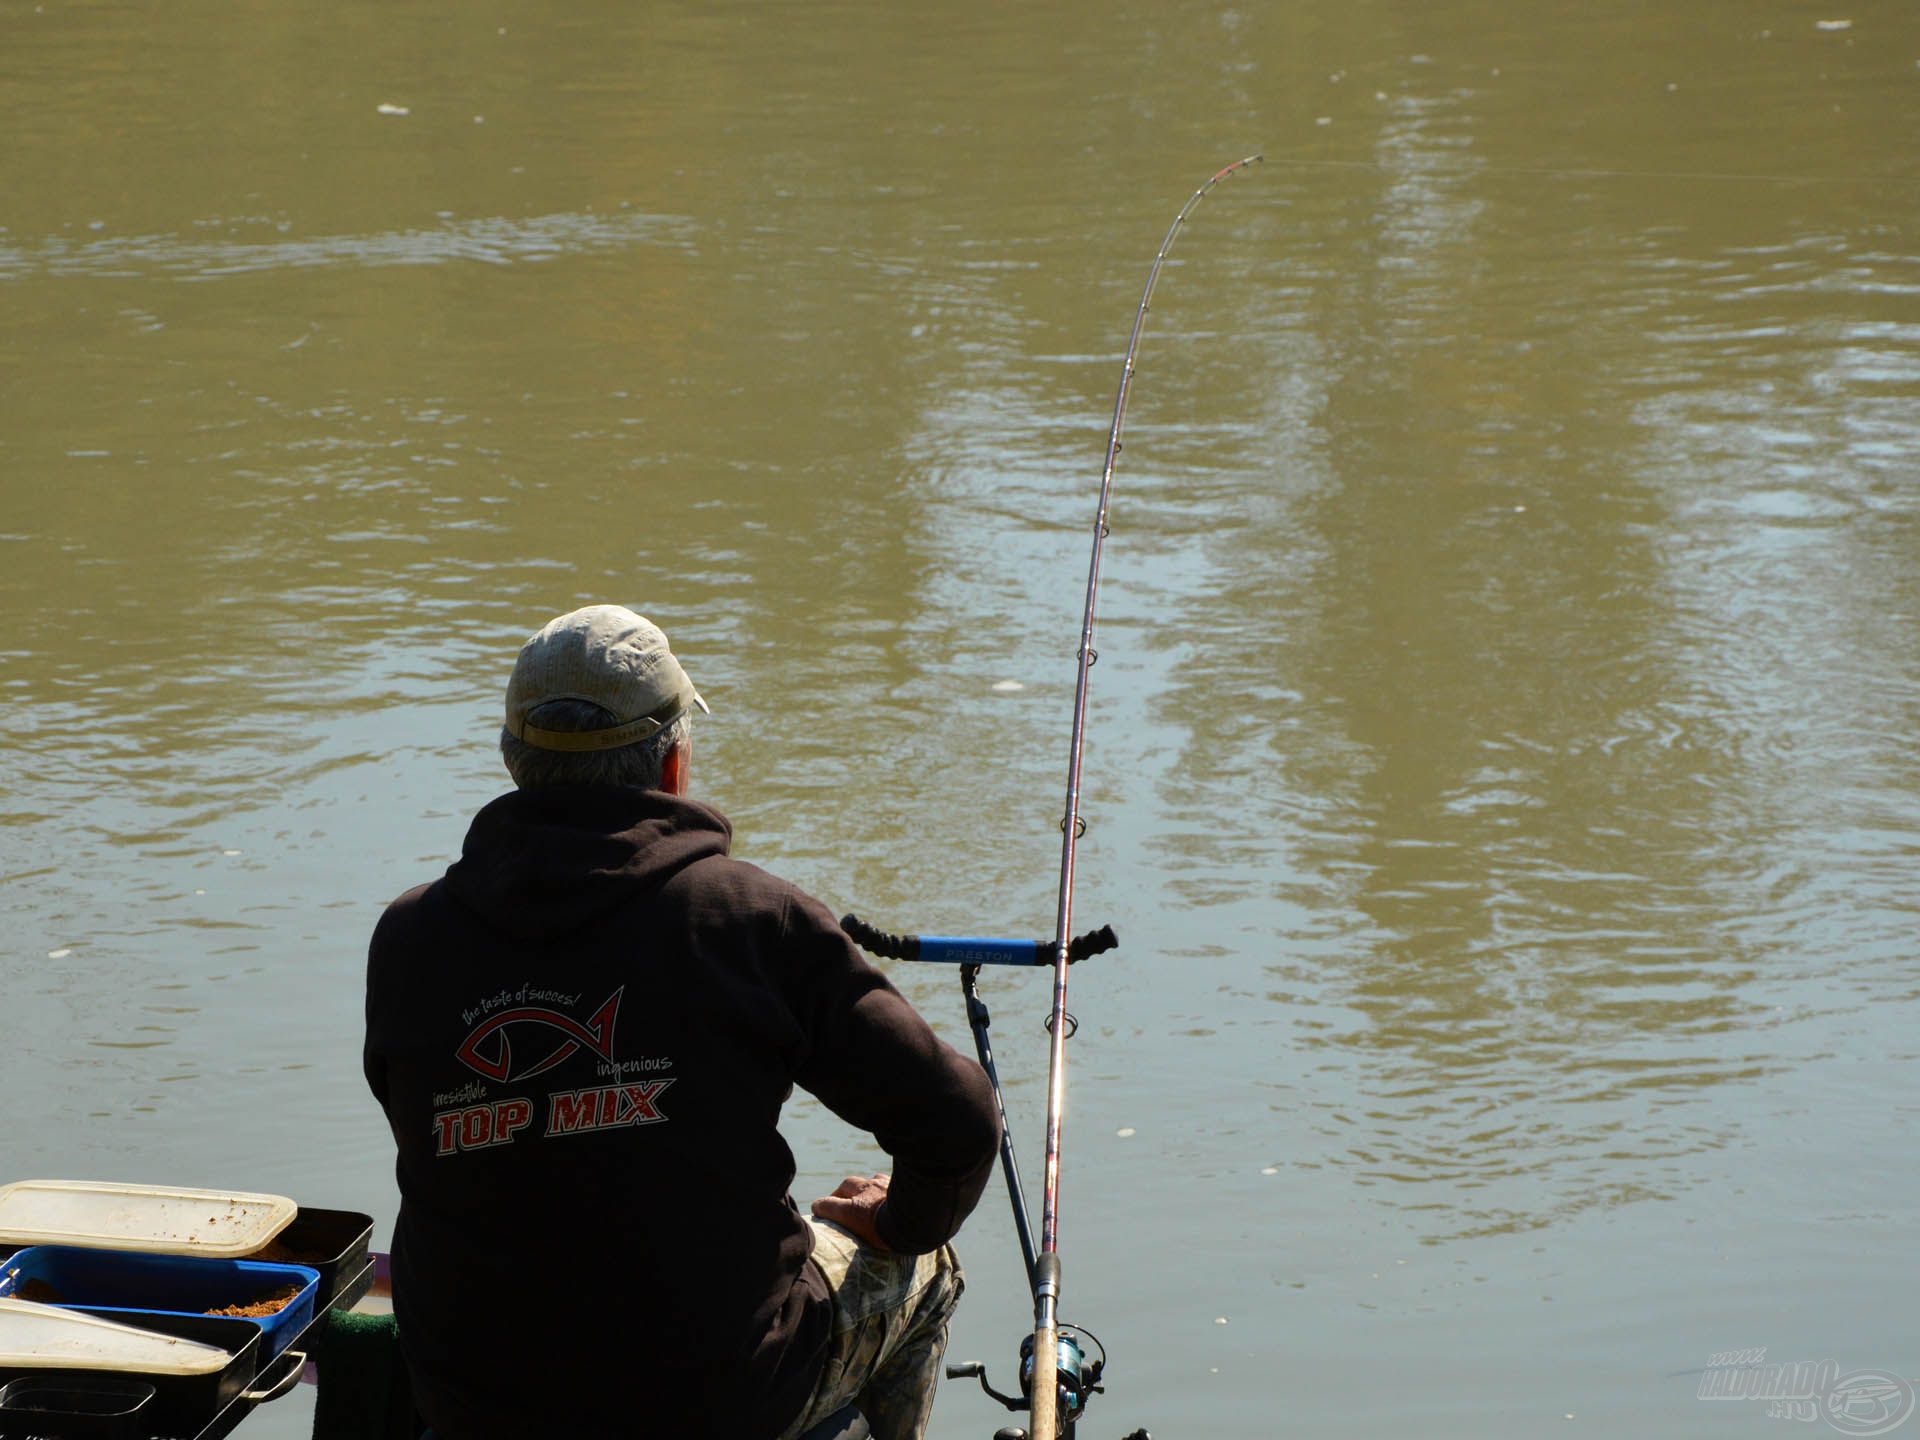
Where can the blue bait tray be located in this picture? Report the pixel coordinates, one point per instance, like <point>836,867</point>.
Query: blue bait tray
<point>131,1283</point>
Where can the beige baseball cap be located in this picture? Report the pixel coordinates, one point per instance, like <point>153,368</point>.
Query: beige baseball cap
<point>607,656</point>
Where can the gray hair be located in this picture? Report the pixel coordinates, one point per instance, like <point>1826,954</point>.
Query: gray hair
<point>637,766</point>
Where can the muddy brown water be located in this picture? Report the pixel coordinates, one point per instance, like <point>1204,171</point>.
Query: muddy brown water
<point>1502,770</point>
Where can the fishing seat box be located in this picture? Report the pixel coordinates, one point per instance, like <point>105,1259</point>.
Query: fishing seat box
<point>73,1401</point>
<point>129,1285</point>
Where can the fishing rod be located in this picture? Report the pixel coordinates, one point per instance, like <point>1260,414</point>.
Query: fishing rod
<point>1055,1408</point>
<point>1046,1290</point>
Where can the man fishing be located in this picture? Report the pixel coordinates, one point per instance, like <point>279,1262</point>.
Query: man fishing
<point>582,1036</point>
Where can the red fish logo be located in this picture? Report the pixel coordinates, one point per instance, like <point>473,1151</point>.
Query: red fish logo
<point>488,1051</point>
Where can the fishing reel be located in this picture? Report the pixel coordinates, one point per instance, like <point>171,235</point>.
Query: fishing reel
<point>1076,1375</point>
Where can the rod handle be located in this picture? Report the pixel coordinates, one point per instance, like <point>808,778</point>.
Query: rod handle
<point>1045,1397</point>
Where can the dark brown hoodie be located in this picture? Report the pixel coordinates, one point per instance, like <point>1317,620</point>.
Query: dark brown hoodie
<point>582,1037</point>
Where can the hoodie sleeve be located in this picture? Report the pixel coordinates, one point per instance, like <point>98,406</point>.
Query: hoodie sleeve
<point>387,957</point>
<point>871,1059</point>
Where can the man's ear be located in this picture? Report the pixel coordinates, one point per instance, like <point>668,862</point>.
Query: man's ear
<point>674,769</point>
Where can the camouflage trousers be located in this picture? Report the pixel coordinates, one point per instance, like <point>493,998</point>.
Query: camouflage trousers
<point>890,1316</point>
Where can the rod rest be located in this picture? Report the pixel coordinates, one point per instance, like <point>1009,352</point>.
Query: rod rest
<point>967,951</point>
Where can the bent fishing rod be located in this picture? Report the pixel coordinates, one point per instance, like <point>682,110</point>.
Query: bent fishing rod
<point>1055,1409</point>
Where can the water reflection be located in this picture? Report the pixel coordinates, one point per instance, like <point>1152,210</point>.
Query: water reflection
<point>1539,732</point>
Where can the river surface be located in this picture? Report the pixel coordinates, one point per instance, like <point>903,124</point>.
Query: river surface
<point>1504,756</point>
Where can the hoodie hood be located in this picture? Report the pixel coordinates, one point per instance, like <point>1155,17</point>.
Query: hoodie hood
<point>540,863</point>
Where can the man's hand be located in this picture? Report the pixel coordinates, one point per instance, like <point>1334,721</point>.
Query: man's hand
<point>852,1206</point>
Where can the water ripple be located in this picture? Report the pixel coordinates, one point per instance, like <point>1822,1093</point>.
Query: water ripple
<point>488,240</point>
